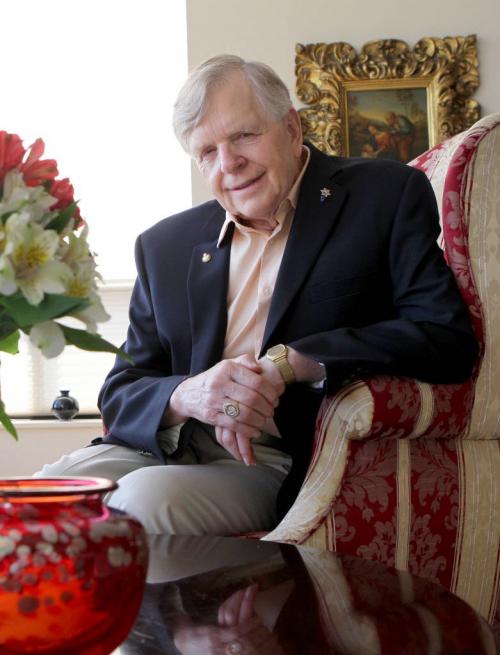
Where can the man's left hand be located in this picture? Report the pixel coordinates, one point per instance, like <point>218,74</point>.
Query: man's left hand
<point>237,444</point>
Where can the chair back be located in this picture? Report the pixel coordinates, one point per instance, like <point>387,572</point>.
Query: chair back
<point>465,174</point>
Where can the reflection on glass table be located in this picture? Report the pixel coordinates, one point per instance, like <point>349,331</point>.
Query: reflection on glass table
<point>221,596</point>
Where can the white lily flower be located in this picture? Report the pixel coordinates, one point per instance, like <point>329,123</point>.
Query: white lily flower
<point>93,314</point>
<point>52,277</point>
<point>16,221</point>
<point>81,284</point>
<point>49,338</point>
<point>79,247</point>
<point>3,238</point>
<point>8,284</point>
<point>76,254</point>
<point>32,244</point>
<point>19,197</point>
<point>37,272</point>
<point>76,251</point>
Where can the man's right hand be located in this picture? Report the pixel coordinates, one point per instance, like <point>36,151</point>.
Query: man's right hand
<point>238,627</point>
<point>203,396</point>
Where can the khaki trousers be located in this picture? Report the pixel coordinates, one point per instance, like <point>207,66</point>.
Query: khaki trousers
<point>204,492</point>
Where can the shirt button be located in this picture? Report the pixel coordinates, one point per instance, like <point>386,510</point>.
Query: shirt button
<point>267,291</point>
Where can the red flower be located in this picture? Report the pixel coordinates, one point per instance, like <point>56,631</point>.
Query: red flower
<point>63,191</point>
<point>11,152</point>
<point>65,194</point>
<point>36,170</point>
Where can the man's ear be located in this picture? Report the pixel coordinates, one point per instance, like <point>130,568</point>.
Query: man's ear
<point>294,128</point>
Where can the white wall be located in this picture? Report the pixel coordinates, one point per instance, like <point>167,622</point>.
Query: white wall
<point>95,81</point>
<point>268,30</point>
<point>41,442</point>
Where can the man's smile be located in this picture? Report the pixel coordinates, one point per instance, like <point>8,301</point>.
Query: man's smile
<point>248,184</point>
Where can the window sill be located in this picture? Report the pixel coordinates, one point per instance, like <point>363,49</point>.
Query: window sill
<point>55,425</point>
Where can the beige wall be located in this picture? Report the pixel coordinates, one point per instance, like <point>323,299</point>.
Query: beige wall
<point>41,442</point>
<point>269,29</point>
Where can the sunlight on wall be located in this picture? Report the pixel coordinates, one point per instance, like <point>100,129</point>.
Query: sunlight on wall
<point>96,81</point>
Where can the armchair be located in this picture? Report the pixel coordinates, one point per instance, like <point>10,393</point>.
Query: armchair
<point>408,473</point>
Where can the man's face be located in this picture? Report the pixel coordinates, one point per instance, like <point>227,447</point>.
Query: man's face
<point>248,161</point>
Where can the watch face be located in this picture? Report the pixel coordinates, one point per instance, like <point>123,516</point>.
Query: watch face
<point>276,350</point>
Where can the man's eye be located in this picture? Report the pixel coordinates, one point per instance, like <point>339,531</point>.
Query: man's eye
<point>207,154</point>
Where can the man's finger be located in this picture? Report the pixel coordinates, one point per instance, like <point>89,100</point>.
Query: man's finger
<point>243,410</point>
<point>245,449</point>
<point>247,431</point>
<point>239,607</point>
<point>247,606</point>
<point>255,381</point>
<point>227,439</point>
<point>249,362</point>
<point>236,444</point>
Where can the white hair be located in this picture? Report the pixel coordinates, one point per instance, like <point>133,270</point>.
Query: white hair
<point>191,103</point>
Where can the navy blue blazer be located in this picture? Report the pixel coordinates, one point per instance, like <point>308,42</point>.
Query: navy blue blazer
<point>362,288</point>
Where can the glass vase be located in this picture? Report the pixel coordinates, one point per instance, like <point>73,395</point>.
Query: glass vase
<point>65,407</point>
<point>72,570</point>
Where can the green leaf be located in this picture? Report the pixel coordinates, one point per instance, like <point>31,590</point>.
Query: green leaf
<point>6,422</point>
<point>87,341</point>
<point>62,219</point>
<point>5,217</point>
<point>10,343</point>
<point>7,325</point>
<point>52,306</point>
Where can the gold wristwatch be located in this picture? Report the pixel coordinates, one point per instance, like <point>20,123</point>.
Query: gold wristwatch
<point>279,356</point>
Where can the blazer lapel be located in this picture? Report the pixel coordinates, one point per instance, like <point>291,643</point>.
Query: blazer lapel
<point>207,297</point>
<point>318,208</point>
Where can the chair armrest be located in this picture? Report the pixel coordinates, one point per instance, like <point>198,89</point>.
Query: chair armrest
<point>381,407</point>
<point>404,407</point>
<point>347,414</point>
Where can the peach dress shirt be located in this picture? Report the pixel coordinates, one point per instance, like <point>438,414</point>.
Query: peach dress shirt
<point>255,261</point>
<point>254,264</point>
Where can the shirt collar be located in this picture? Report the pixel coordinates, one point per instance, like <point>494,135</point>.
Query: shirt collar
<point>290,202</point>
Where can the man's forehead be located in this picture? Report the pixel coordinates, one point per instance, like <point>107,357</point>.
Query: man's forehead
<point>232,96</point>
<point>226,116</point>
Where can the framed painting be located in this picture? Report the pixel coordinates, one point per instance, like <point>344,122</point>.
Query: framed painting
<point>387,101</point>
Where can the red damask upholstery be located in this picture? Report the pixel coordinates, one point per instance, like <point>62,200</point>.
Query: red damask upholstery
<point>365,608</point>
<point>408,473</point>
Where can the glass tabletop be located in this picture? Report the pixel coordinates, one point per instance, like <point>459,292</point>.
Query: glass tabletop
<point>211,595</point>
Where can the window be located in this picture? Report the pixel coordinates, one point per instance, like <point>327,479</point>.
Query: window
<point>29,382</point>
<point>96,81</point>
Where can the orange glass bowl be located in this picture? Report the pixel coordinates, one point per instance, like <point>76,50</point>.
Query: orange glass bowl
<point>72,570</point>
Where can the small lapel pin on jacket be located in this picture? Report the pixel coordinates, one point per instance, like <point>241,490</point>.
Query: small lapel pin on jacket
<point>206,257</point>
<point>325,193</point>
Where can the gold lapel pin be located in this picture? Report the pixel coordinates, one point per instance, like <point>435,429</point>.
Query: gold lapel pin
<point>325,193</point>
<point>206,257</point>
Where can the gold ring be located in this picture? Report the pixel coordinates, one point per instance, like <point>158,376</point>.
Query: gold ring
<point>233,648</point>
<point>231,409</point>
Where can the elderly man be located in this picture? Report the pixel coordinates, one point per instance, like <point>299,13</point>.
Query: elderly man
<point>305,272</point>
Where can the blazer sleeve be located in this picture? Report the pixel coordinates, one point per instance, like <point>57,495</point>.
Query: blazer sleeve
<point>429,336</point>
<point>133,398</point>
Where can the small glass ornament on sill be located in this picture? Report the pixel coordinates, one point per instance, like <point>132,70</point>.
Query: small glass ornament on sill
<point>65,407</point>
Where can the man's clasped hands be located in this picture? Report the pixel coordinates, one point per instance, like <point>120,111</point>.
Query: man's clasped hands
<point>238,396</point>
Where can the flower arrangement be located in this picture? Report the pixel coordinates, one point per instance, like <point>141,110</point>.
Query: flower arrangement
<point>47,270</point>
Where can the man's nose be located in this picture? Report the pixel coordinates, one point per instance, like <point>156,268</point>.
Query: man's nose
<point>230,159</point>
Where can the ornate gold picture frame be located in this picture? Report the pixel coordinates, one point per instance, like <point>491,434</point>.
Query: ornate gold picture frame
<point>388,100</point>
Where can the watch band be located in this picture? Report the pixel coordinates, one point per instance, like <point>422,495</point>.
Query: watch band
<point>279,357</point>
